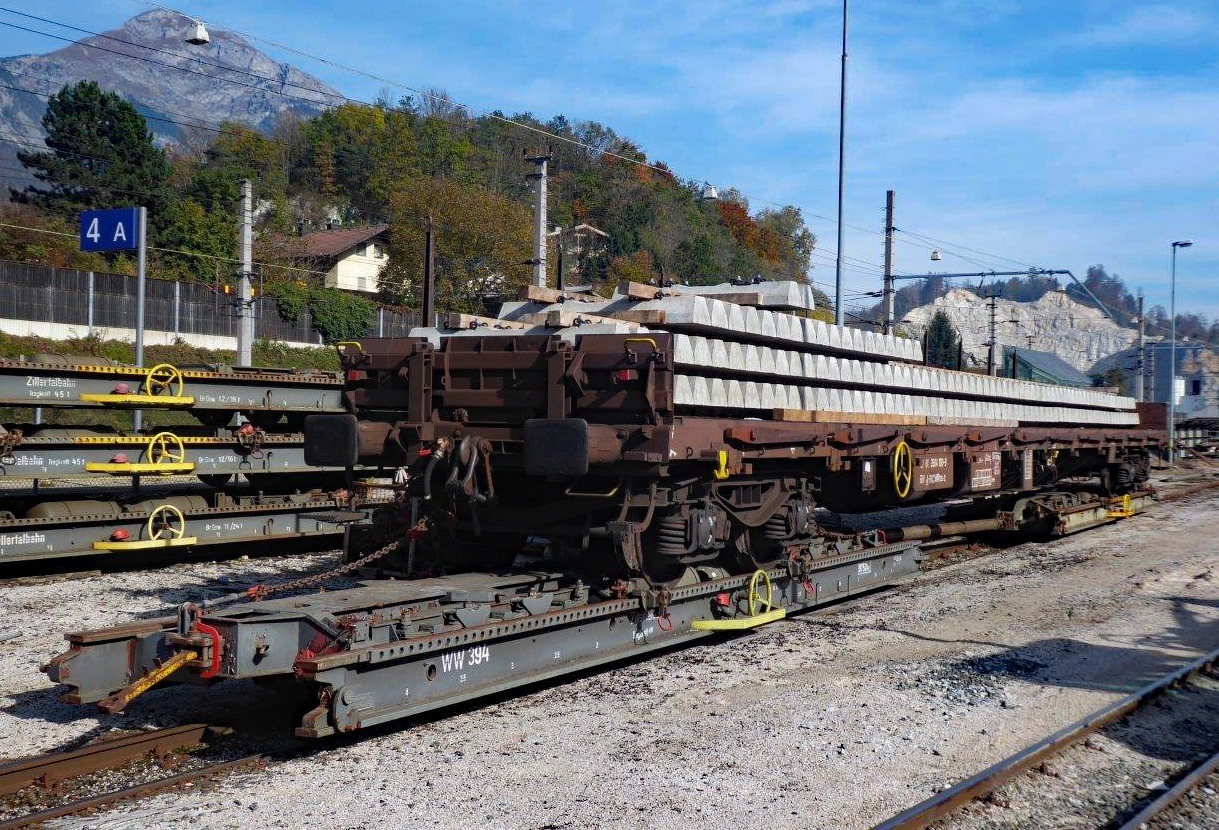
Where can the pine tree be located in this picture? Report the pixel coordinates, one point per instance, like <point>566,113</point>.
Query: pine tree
<point>101,155</point>
<point>943,342</point>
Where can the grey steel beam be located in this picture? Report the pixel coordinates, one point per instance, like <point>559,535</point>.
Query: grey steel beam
<point>27,383</point>
<point>113,530</point>
<point>105,456</point>
<point>413,646</point>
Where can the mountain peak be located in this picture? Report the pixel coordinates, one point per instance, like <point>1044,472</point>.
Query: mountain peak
<point>148,62</point>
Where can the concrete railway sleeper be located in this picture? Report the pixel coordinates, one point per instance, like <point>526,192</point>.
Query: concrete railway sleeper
<point>389,648</point>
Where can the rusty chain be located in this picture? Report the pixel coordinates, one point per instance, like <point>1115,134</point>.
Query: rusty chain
<point>259,592</point>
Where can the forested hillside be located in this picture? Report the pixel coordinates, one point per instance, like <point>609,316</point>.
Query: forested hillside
<point>395,162</point>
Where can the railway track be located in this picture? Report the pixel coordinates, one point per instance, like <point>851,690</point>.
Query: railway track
<point>942,809</point>
<point>55,772</point>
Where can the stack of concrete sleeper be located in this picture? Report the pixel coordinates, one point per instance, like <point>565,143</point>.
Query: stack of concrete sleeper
<point>767,363</point>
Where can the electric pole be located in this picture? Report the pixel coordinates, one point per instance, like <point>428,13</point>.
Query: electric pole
<point>839,308</point>
<point>1139,380</point>
<point>994,329</point>
<point>245,309</point>
<point>538,177</point>
<point>888,286</point>
<point>991,362</point>
<point>428,305</point>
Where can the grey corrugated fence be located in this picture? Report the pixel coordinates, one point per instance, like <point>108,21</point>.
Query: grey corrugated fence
<point>101,300</point>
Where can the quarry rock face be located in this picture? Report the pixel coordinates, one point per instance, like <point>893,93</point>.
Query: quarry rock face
<point>1079,334</point>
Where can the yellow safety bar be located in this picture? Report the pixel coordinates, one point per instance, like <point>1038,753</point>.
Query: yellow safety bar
<point>164,377</point>
<point>651,341</point>
<point>1122,508</point>
<point>166,454</point>
<point>166,519</point>
<point>755,602</point>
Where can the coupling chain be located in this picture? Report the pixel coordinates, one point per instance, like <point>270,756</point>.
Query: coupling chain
<point>258,592</point>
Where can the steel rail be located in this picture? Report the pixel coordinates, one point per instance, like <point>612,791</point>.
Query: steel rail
<point>945,803</point>
<point>137,791</point>
<point>53,767</point>
<point>1172,796</point>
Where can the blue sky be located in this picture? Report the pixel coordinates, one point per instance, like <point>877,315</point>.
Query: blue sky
<point>1058,134</point>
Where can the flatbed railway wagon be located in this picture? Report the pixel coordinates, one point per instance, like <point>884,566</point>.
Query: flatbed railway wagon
<point>585,480</point>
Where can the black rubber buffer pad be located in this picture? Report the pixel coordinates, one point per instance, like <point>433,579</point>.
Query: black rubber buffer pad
<point>332,440</point>
<point>556,447</point>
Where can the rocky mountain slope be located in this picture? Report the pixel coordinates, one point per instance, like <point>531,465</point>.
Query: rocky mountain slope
<point>1079,334</point>
<point>227,79</point>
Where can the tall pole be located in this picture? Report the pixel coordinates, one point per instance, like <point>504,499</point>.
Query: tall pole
<point>245,316</point>
<point>538,177</point>
<point>888,292</point>
<point>839,310</point>
<point>994,330</point>
<point>1139,380</point>
<point>429,275</point>
<point>1172,360</point>
<point>141,263</point>
<point>1172,354</point>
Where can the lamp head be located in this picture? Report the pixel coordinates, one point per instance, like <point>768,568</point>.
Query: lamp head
<point>198,35</point>
<point>1184,243</point>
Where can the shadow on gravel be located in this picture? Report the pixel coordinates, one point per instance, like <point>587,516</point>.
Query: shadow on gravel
<point>1125,667</point>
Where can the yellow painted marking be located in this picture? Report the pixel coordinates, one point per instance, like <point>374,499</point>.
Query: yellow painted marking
<point>138,399</point>
<point>147,544</point>
<point>117,701</point>
<point>740,623</point>
<point>117,469</point>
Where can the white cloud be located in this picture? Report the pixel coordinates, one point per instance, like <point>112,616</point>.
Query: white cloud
<point>1149,24</point>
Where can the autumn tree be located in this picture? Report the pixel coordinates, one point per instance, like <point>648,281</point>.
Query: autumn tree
<point>482,244</point>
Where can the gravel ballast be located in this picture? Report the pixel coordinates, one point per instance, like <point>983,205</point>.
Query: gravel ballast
<point>836,718</point>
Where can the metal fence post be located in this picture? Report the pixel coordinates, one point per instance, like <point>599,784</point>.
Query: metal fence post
<point>177,305</point>
<point>90,303</point>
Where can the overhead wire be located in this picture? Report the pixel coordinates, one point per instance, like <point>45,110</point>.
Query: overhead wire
<point>203,123</point>
<point>859,267</point>
<point>448,101</point>
<point>947,244</point>
<point>192,58</point>
<point>196,254</point>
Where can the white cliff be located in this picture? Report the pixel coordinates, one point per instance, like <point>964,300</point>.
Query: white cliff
<point>1078,334</point>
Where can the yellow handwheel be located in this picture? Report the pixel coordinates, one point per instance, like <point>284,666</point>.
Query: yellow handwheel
<point>902,464</point>
<point>755,599</point>
<point>162,377</point>
<point>166,448</point>
<point>166,518</point>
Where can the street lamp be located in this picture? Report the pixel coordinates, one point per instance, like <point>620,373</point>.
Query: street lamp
<point>198,36</point>
<point>1172,353</point>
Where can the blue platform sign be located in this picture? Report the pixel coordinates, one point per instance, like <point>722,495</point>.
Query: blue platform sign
<point>116,229</point>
